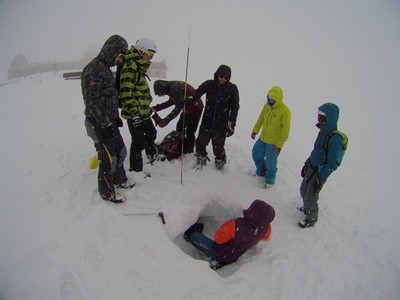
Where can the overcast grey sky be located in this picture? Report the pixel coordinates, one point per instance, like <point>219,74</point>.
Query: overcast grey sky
<point>345,51</point>
<point>279,33</point>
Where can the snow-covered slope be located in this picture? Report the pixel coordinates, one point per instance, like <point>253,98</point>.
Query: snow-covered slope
<point>60,241</point>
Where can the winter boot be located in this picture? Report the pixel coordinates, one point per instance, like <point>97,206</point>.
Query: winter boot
<point>215,264</point>
<point>305,223</point>
<point>120,179</point>
<point>196,227</point>
<point>115,198</point>
<point>126,185</point>
<point>219,164</point>
<point>201,162</point>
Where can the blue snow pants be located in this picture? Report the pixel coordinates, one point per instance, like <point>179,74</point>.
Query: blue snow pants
<point>263,152</point>
<point>203,243</point>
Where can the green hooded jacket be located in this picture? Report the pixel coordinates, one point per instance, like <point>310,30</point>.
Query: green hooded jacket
<point>134,93</point>
<point>274,120</point>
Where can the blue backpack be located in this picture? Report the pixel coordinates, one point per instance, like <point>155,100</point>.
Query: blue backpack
<point>345,141</point>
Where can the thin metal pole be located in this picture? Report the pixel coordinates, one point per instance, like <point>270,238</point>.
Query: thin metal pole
<point>184,106</point>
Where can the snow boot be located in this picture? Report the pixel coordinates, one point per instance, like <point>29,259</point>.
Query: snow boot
<point>115,198</point>
<point>126,185</point>
<point>196,227</point>
<point>305,223</point>
<point>219,164</point>
<point>201,161</point>
<point>215,264</point>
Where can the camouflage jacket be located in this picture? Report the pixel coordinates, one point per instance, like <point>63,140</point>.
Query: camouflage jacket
<point>98,84</point>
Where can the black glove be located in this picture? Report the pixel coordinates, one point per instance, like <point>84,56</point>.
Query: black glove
<point>318,184</point>
<point>305,167</point>
<point>163,122</point>
<point>119,122</point>
<point>136,119</point>
<point>230,130</point>
<point>109,132</point>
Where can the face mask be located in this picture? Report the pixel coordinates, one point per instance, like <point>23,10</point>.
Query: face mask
<point>270,101</point>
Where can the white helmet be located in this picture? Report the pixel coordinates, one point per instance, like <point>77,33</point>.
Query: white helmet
<point>145,45</point>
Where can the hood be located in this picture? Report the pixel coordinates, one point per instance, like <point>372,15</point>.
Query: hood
<point>223,70</point>
<point>161,87</point>
<point>114,46</point>
<point>133,54</point>
<point>331,111</point>
<point>276,93</point>
<point>259,213</point>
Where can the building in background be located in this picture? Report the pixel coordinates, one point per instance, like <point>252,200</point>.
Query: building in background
<point>20,67</point>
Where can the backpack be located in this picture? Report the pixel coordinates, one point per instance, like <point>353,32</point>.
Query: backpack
<point>171,145</point>
<point>345,141</point>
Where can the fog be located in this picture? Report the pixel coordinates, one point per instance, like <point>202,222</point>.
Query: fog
<point>341,51</point>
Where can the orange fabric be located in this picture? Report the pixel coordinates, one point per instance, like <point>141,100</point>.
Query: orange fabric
<point>225,232</point>
<point>267,235</point>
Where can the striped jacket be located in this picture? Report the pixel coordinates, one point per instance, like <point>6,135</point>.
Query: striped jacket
<point>134,92</point>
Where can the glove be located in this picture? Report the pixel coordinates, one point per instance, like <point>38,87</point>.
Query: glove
<point>119,122</point>
<point>277,150</point>
<point>253,135</point>
<point>305,167</point>
<point>136,119</point>
<point>163,122</point>
<point>153,109</point>
<point>109,132</point>
<point>318,184</point>
<point>229,130</point>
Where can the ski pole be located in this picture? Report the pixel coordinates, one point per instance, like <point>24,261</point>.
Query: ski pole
<point>160,214</point>
<point>184,105</point>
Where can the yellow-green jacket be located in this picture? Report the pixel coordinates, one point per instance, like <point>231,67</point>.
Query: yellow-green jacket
<point>134,93</point>
<point>274,120</point>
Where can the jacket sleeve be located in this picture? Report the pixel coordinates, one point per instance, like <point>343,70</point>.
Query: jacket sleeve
<point>285,130</point>
<point>267,235</point>
<point>225,232</point>
<point>234,106</point>
<point>201,90</point>
<point>260,120</point>
<point>164,105</point>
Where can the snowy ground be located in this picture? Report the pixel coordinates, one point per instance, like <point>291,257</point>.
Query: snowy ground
<point>60,241</point>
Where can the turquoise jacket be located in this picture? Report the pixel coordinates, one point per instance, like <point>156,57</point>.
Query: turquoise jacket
<point>326,164</point>
<point>274,120</point>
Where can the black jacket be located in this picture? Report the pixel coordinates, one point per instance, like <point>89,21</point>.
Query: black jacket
<point>222,102</point>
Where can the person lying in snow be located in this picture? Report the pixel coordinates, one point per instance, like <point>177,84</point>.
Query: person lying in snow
<point>234,237</point>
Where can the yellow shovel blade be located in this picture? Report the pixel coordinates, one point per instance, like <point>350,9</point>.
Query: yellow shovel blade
<point>94,162</point>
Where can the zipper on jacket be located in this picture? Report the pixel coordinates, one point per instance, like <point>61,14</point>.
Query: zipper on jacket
<point>215,106</point>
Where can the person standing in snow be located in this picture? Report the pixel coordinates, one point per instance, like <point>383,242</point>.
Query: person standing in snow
<point>102,118</point>
<point>234,237</point>
<point>275,122</point>
<point>219,118</point>
<point>135,99</point>
<point>321,163</point>
<point>191,111</point>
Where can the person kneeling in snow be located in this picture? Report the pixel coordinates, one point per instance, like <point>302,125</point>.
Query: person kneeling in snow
<point>234,237</point>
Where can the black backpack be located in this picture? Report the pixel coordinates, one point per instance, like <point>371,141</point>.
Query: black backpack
<point>171,145</point>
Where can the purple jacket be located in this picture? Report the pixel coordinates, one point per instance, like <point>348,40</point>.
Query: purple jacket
<point>246,231</point>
